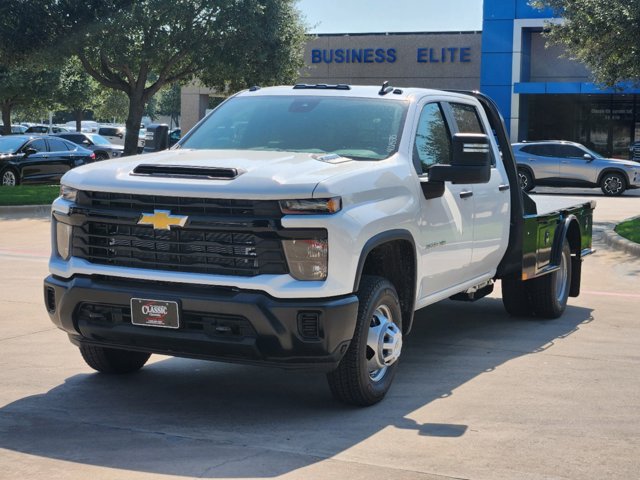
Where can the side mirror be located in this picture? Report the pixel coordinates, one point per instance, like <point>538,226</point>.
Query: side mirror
<point>30,151</point>
<point>470,163</point>
<point>588,157</point>
<point>119,135</point>
<point>86,142</point>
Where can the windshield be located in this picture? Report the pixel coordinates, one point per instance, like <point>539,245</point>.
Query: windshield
<point>99,140</point>
<point>358,128</point>
<point>10,144</point>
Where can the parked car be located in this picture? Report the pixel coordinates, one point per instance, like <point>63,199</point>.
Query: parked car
<point>18,129</point>
<point>634,152</point>
<point>560,163</point>
<point>33,159</point>
<point>45,129</point>
<point>112,133</point>
<point>116,134</point>
<point>96,143</point>
<point>87,126</point>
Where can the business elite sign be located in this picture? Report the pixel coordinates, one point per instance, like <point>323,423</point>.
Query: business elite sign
<point>390,55</point>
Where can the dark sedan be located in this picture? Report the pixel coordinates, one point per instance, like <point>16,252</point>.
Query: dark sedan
<point>94,142</point>
<point>28,159</point>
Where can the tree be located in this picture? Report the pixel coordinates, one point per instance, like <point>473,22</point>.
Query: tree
<point>602,35</point>
<point>77,91</point>
<point>112,107</point>
<point>152,43</point>
<point>139,46</point>
<point>169,103</point>
<point>25,86</point>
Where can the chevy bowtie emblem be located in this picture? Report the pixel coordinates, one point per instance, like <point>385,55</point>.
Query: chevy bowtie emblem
<point>162,220</point>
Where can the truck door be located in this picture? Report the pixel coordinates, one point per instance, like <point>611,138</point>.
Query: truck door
<point>446,222</point>
<point>491,200</point>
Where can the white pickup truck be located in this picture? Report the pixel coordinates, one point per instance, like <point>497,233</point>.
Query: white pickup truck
<point>302,227</point>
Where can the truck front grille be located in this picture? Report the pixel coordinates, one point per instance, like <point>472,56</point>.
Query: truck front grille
<point>188,249</point>
<point>180,205</point>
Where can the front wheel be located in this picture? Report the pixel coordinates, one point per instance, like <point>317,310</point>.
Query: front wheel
<point>111,360</point>
<point>366,371</point>
<point>613,184</point>
<point>9,178</point>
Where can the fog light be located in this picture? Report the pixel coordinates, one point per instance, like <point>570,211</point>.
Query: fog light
<point>307,259</point>
<point>63,239</point>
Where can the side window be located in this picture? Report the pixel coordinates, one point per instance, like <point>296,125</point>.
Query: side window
<point>38,145</point>
<point>468,121</point>
<point>568,151</point>
<point>57,145</point>
<point>467,118</point>
<point>433,140</point>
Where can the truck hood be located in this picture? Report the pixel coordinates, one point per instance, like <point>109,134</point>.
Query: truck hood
<point>262,174</point>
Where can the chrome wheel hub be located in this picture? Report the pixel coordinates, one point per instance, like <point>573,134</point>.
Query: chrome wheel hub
<point>9,179</point>
<point>612,185</point>
<point>384,343</point>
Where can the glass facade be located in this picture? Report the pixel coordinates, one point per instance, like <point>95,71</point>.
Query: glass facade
<point>608,124</point>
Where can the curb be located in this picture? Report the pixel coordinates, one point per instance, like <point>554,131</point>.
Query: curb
<point>25,211</point>
<point>611,238</point>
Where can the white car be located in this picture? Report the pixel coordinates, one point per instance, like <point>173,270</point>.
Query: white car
<point>116,134</point>
<point>45,130</point>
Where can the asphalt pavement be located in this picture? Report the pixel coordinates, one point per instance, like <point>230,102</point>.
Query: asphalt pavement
<point>478,395</point>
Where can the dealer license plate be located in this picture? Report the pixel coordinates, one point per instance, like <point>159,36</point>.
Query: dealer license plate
<point>155,313</point>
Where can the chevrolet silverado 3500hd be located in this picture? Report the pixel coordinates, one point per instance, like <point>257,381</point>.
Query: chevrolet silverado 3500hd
<point>302,227</point>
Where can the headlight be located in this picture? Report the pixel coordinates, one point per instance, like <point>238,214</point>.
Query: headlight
<point>68,193</point>
<point>311,206</point>
<point>63,239</point>
<point>307,258</point>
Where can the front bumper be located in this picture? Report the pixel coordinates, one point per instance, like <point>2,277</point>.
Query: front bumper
<point>216,323</point>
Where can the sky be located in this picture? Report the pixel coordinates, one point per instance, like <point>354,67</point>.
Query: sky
<point>379,16</point>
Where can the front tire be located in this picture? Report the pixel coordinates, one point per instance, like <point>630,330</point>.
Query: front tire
<point>613,184</point>
<point>366,371</point>
<point>9,178</point>
<point>111,360</point>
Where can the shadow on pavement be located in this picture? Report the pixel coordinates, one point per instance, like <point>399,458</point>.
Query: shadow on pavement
<point>195,418</point>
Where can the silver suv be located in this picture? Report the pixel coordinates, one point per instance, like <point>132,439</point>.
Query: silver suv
<point>560,163</point>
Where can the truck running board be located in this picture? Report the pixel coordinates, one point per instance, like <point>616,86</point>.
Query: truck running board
<point>474,293</point>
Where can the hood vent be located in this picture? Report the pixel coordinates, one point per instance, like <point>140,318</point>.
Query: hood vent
<point>181,171</point>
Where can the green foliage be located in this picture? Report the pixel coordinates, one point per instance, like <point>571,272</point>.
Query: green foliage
<point>29,195</point>
<point>112,107</point>
<point>77,91</point>
<point>601,34</point>
<point>26,87</point>
<point>169,103</point>
<point>139,46</point>
<point>630,229</point>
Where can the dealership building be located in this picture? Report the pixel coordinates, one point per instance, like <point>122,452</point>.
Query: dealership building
<point>541,93</point>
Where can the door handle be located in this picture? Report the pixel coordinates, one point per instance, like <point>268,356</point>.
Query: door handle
<point>503,187</point>
<point>466,194</point>
<point>564,161</point>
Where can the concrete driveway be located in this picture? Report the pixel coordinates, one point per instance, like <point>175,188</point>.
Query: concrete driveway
<point>477,396</point>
